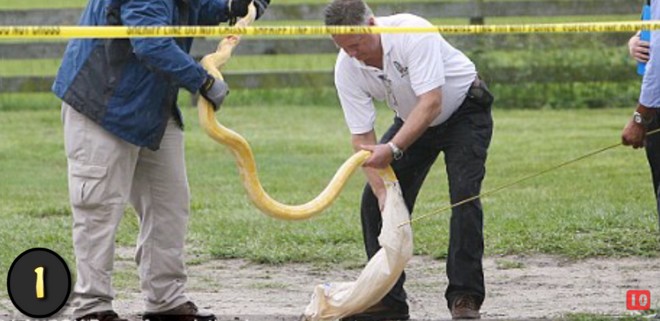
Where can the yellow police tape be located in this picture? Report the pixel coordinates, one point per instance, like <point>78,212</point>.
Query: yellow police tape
<point>45,32</point>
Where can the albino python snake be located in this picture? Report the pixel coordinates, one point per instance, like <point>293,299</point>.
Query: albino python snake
<point>244,157</point>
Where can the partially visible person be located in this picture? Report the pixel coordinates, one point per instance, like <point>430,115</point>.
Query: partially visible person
<point>644,118</point>
<point>124,143</point>
<point>441,106</point>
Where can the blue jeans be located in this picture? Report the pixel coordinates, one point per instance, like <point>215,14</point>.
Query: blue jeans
<point>463,139</point>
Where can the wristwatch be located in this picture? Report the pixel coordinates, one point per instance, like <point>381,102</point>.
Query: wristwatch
<point>397,153</point>
<point>639,119</point>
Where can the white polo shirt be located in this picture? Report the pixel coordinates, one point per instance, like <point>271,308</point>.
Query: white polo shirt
<point>413,64</point>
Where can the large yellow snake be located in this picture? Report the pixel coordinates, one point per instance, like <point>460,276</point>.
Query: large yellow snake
<point>244,157</point>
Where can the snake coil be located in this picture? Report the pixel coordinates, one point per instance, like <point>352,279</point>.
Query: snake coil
<point>244,157</point>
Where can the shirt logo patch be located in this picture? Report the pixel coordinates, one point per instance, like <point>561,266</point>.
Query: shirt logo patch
<point>401,69</point>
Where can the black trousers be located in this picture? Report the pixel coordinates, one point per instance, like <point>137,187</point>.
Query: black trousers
<point>652,148</point>
<point>463,139</point>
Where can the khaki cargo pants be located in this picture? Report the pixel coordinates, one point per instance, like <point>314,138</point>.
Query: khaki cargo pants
<point>105,173</point>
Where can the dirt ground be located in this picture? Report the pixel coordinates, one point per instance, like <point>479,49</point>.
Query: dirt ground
<point>517,287</point>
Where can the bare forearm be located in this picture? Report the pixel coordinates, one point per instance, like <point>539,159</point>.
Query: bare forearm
<point>373,178</point>
<point>428,108</point>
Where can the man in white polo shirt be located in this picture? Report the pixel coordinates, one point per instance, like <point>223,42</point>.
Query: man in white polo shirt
<point>440,106</point>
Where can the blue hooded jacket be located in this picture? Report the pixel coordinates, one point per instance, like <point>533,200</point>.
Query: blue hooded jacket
<point>130,87</point>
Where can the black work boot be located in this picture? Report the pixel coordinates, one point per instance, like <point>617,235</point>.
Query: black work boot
<point>185,312</point>
<point>101,316</point>
<point>381,312</point>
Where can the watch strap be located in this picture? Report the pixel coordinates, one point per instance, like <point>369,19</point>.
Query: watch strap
<point>397,153</point>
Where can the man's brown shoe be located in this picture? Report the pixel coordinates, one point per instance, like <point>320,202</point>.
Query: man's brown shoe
<point>465,307</point>
<point>381,312</point>
<point>185,312</point>
<point>101,316</point>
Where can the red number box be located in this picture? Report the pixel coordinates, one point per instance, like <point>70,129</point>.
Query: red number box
<point>638,299</point>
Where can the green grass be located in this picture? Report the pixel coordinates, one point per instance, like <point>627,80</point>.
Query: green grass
<point>602,206</point>
<point>591,53</point>
<point>47,67</point>
<point>556,19</point>
<point>589,57</point>
<point>602,317</point>
<point>249,97</point>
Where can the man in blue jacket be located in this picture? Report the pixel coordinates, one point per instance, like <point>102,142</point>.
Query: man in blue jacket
<point>124,143</point>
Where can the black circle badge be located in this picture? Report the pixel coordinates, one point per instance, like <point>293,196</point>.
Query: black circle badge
<point>39,283</point>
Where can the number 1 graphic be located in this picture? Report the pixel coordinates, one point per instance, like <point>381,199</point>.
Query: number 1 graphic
<point>40,282</point>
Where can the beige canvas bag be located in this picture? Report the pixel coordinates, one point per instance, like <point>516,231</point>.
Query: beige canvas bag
<point>331,301</point>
